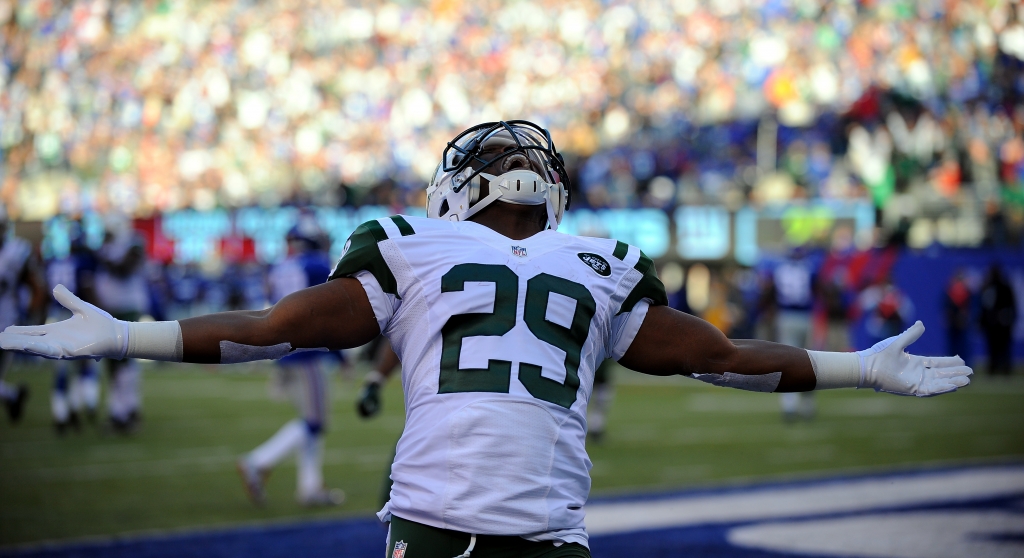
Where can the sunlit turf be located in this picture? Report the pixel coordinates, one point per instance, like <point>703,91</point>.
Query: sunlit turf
<point>178,471</point>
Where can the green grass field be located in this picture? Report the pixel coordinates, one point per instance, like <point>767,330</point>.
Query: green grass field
<point>178,471</point>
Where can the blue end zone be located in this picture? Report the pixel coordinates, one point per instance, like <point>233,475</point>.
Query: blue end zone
<point>953,512</point>
<point>360,537</point>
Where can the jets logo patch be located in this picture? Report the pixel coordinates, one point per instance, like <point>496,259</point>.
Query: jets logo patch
<point>519,251</point>
<point>400,547</point>
<point>597,263</point>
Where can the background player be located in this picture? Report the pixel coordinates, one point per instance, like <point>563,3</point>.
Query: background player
<point>794,279</point>
<point>18,268</point>
<point>368,404</point>
<point>74,394</point>
<point>600,402</point>
<point>121,289</point>
<point>491,460</point>
<point>302,379</point>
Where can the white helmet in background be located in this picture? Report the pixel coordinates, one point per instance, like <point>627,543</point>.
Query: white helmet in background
<point>512,162</point>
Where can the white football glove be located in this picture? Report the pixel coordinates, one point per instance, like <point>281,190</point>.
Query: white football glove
<point>886,367</point>
<point>89,333</point>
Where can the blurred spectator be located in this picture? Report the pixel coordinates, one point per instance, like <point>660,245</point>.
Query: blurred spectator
<point>835,294</point>
<point>956,306</point>
<point>159,106</point>
<point>888,310</point>
<point>998,316</point>
<point>767,308</point>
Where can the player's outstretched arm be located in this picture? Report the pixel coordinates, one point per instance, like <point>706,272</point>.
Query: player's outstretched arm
<point>671,342</point>
<point>334,315</point>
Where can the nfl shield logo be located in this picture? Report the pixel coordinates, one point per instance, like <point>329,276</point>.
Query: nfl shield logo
<point>519,251</point>
<point>399,552</point>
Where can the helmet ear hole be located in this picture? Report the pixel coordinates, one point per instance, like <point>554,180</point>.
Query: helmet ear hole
<point>444,209</point>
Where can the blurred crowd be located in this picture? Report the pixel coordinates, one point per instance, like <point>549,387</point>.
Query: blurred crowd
<point>843,298</point>
<point>159,104</point>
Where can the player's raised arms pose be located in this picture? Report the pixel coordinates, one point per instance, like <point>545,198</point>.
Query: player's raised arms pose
<point>499,321</point>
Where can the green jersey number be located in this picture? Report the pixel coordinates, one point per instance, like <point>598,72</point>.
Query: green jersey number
<point>495,378</point>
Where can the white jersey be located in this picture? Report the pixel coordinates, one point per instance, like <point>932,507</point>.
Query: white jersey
<point>120,293</point>
<point>499,340</point>
<point>13,256</point>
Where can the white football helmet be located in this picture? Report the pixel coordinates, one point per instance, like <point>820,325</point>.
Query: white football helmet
<point>513,162</point>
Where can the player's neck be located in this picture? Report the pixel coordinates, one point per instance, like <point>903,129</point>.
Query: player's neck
<point>513,221</point>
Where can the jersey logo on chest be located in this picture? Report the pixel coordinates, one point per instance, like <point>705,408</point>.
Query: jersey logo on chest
<point>597,263</point>
<point>519,251</point>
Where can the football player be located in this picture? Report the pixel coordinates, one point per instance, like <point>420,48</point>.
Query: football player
<point>794,279</point>
<point>80,393</point>
<point>120,288</point>
<point>368,404</point>
<point>302,378</point>
<point>600,402</point>
<point>18,268</point>
<point>500,322</point>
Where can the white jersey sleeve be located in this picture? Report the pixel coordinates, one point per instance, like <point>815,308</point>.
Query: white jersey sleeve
<point>499,341</point>
<point>383,304</point>
<point>625,327</point>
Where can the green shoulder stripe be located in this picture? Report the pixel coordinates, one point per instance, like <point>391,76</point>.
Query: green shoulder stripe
<point>363,254</point>
<point>621,248</point>
<point>403,226</point>
<point>376,231</point>
<point>649,287</point>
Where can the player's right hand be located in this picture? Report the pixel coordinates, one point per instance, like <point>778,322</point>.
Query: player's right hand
<point>368,404</point>
<point>88,333</point>
<point>887,367</point>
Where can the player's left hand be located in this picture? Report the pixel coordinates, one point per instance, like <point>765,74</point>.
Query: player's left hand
<point>888,367</point>
<point>368,404</point>
<point>89,333</point>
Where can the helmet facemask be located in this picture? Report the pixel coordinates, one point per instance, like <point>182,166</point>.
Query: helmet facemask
<point>513,162</point>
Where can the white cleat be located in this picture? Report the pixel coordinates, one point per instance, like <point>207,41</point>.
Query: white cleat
<point>325,497</point>
<point>254,481</point>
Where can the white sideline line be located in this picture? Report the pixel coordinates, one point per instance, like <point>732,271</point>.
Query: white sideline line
<point>840,497</point>
<point>920,534</point>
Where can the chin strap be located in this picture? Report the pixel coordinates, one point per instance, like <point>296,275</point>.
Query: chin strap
<point>501,189</point>
<point>552,220</point>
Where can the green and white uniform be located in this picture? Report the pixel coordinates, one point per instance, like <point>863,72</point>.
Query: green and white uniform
<point>499,340</point>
